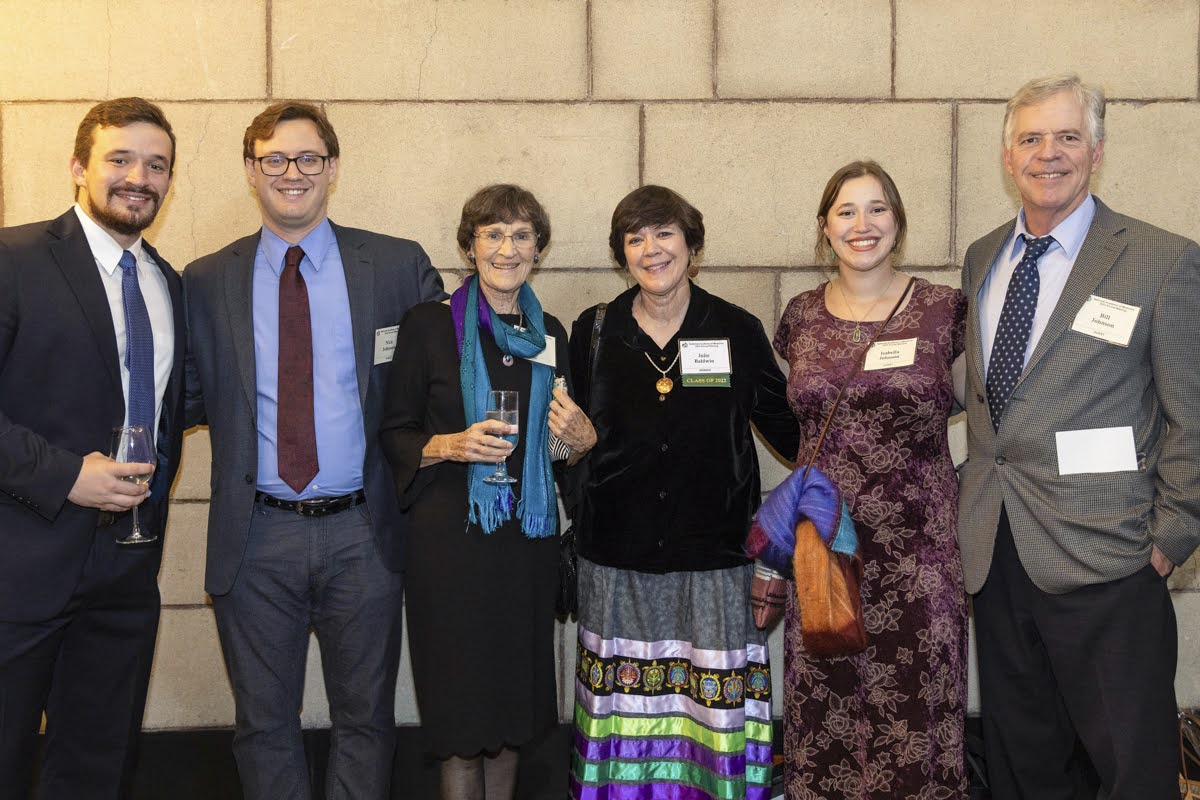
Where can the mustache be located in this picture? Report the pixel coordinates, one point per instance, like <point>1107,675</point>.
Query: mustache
<point>144,188</point>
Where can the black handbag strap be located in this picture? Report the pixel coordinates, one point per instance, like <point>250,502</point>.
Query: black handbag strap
<point>858,364</point>
<point>593,349</point>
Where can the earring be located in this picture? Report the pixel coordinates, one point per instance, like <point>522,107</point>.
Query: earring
<point>536,258</point>
<point>471,257</point>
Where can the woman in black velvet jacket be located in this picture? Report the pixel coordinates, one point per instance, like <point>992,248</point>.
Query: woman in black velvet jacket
<point>673,684</point>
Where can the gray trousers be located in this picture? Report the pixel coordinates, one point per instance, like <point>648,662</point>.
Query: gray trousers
<point>321,573</point>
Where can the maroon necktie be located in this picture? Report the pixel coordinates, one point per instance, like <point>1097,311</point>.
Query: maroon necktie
<point>295,427</point>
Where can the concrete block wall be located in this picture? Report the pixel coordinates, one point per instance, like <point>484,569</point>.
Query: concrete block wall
<point>745,106</point>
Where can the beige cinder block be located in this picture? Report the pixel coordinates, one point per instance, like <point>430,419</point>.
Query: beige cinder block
<point>188,687</point>
<point>181,577</point>
<point>985,196</point>
<point>189,49</point>
<point>193,481</point>
<point>566,293</point>
<point>36,148</point>
<point>1187,673</point>
<point>1186,576</point>
<point>1137,49</point>
<point>652,49</point>
<point>819,48</point>
<point>1152,164</point>
<point>430,49</point>
<point>757,171</point>
<point>407,169</point>
<point>211,203</point>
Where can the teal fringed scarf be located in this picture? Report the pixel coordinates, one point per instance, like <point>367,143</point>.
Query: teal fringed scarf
<point>491,505</point>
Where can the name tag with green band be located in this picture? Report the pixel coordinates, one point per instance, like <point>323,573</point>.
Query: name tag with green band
<point>705,362</point>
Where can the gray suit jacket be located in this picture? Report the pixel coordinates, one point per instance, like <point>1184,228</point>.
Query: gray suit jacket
<point>384,278</point>
<point>1075,530</point>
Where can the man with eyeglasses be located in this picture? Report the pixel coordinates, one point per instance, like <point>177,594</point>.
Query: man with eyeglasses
<point>290,339</point>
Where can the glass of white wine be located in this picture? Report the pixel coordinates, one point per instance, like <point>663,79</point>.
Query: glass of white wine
<point>504,406</point>
<point>132,444</point>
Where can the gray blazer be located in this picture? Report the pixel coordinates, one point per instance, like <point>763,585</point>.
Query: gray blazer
<point>1075,530</point>
<point>385,277</point>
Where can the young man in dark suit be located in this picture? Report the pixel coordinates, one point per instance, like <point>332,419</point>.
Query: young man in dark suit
<point>91,338</point>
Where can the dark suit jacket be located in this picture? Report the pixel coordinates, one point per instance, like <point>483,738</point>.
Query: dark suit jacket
<point>60,398</point>
<point>385,277</point>
<point>1074,530</point>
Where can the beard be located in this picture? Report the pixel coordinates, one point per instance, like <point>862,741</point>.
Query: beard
<point>124,221</point>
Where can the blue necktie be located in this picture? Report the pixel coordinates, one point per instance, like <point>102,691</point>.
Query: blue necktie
<point>1012,333</point>
<point>139,346</point>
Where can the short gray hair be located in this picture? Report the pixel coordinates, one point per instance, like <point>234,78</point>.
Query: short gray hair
<point>1091,99</point>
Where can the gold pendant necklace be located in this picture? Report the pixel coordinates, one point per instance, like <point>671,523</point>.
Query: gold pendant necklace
<point>664,384</point>
<point>857,335</point>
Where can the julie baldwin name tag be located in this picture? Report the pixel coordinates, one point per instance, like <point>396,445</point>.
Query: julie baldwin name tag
<point>705,362</point>
<point>890,355</point>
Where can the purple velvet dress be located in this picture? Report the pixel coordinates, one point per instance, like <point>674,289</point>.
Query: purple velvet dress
<point>887,723</point>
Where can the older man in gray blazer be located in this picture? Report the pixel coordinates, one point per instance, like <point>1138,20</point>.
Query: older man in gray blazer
<point>290,338</point>
<point>1082,488</point>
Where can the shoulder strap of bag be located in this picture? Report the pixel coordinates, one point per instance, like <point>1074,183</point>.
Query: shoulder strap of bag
<point>858,363</point>
<point>593,349</point>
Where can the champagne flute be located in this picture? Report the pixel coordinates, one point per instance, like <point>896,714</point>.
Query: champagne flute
<point>503,406</point>
<point>132,444</point>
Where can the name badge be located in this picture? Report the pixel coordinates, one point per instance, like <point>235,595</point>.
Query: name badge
<point>1107,320</point>
<point>546,356</point>
<point>385,344</point>
<point>705,362</point>
<point>890,355</point>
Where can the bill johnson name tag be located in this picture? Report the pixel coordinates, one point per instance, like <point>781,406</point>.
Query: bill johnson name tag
<point>1107,320</point>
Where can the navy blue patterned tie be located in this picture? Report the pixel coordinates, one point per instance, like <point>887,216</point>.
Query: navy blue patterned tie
<point>139,346</point>
<point>1012,333</point>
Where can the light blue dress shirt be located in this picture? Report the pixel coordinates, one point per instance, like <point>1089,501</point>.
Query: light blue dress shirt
<point>1054,267</point>
<point>341,442</point>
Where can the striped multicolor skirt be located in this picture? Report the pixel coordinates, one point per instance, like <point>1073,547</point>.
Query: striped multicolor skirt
<point>672,687</point>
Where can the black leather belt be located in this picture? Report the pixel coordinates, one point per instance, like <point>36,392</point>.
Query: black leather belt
<point>316,507</point>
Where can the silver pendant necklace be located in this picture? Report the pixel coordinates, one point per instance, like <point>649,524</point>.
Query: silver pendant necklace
<point>506,359</point>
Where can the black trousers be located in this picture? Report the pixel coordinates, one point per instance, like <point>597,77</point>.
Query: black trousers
<point>87,668</point>
<point>1094,666</point>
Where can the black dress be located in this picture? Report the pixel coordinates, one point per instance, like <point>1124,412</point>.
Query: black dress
<point>480,607</point>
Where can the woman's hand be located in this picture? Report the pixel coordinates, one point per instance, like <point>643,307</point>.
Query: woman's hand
<point>479,443</point>
<point>571,425</point>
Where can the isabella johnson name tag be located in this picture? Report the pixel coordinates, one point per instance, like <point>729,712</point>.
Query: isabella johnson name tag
<point>704,362</point>
<point>889,355</point>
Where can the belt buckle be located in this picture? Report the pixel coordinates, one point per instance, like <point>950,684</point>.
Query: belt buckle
<point>310,508</point>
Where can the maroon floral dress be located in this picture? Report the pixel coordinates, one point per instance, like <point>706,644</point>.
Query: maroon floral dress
<point>887,723</point>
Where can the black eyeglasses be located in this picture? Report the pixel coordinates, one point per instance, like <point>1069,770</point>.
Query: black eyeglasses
<point>276,165</point>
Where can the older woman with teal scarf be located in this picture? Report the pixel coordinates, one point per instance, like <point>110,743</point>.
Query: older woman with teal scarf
<point>481,572</point>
